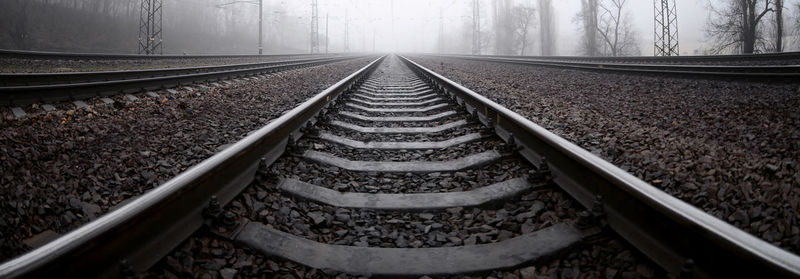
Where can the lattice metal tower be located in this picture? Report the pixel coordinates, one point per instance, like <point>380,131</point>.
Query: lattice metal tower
<point>476,27</point>
<point>314,27</point>
<point>666,28</point>
<point>151,36</point>
<point>327,39</point>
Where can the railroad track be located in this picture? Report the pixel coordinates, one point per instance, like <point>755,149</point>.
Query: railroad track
<point>44,55</point>
<point>411,141</point>
<point>661,67</point>
<point>689,59</point>
<point>25,88</point>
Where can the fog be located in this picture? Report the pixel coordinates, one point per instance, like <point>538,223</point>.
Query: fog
<point>231,26</point>
<point>417,24</point>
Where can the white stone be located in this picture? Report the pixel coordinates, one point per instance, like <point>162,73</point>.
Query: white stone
<point>80,104</point>
<point>131,98</point>
<point>18,112</point>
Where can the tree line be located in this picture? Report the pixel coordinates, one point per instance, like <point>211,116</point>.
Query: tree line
<point>753,26</point>
<point>605,27</point>
<point>111,26</point>
<point>510,27</point>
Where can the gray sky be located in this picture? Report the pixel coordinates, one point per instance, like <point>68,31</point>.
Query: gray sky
<point>416,23</point>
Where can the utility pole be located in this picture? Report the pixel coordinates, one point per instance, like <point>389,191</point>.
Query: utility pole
<point>346,32</point>
<point>314,27</point>
<point>150,33</point>
<point>546,27</point>
<point>666,28</point>
<point>260,4</point>
<point>441,30</point>
<point>476,27</point>
<point>327,39</point>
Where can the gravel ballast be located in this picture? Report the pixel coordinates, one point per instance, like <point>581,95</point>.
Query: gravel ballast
<point>67,167</point>
<point>730,148</point>
<point>394,229</point>
<point>206,255</point>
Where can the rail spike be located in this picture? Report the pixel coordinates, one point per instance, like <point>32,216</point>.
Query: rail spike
<point>309,130</point>
<point>512,146</point>
<point>594,217</point>
<point>474,115</point>
<point>541,174</point>
<point>126,270</point>
<point>213,209</point>
<point>291,144</point>
<point>687,269</point>
<point>228,219</point>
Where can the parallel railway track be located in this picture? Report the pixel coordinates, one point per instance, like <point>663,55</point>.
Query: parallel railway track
<point>690,59</point>
<point>664,66</point>
<point>44,55</point>
<point>363,116</point>
<point>22,89</point>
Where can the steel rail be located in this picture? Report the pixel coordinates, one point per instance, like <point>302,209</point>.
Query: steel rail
<point>32,79</point>
<point>22,95</point>
<point>785,73</point>
<point>738,58</point>
<point>138,234</point>
<point>24,54</point>
<point>669,231</point>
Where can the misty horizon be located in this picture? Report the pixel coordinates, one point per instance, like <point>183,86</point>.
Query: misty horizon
<point>418,26</point>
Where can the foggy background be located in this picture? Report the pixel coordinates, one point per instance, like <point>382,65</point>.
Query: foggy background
<point>205,27</point>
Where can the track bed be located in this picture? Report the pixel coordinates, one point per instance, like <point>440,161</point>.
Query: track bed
<point>316,201</point>
<point>730,148</point>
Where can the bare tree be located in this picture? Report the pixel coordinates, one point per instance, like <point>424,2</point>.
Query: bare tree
<point>796,31</point>
<point>735,26</point>
<point>615,30</point>
<point>503,30</point>
<point>606,29</point>
<point>20,31</point>
<point>778,25</point>
<point>546,27</point>
<point>588,25</point>
<point>523,18</point>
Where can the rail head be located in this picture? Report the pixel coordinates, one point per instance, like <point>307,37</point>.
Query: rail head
<point>758,57</point>
<point>27,94</point>
<point>27,54</point>
<point>676,67</point>
<point>156,71</point>
<point>142,231</point>
<point>668,230</point>
<point>761,73</point>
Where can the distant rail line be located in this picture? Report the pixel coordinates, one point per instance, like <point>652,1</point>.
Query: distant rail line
<point>658,67</point>
<point>686,59</point>
<point>26,88</point>
<point>22,54</point>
